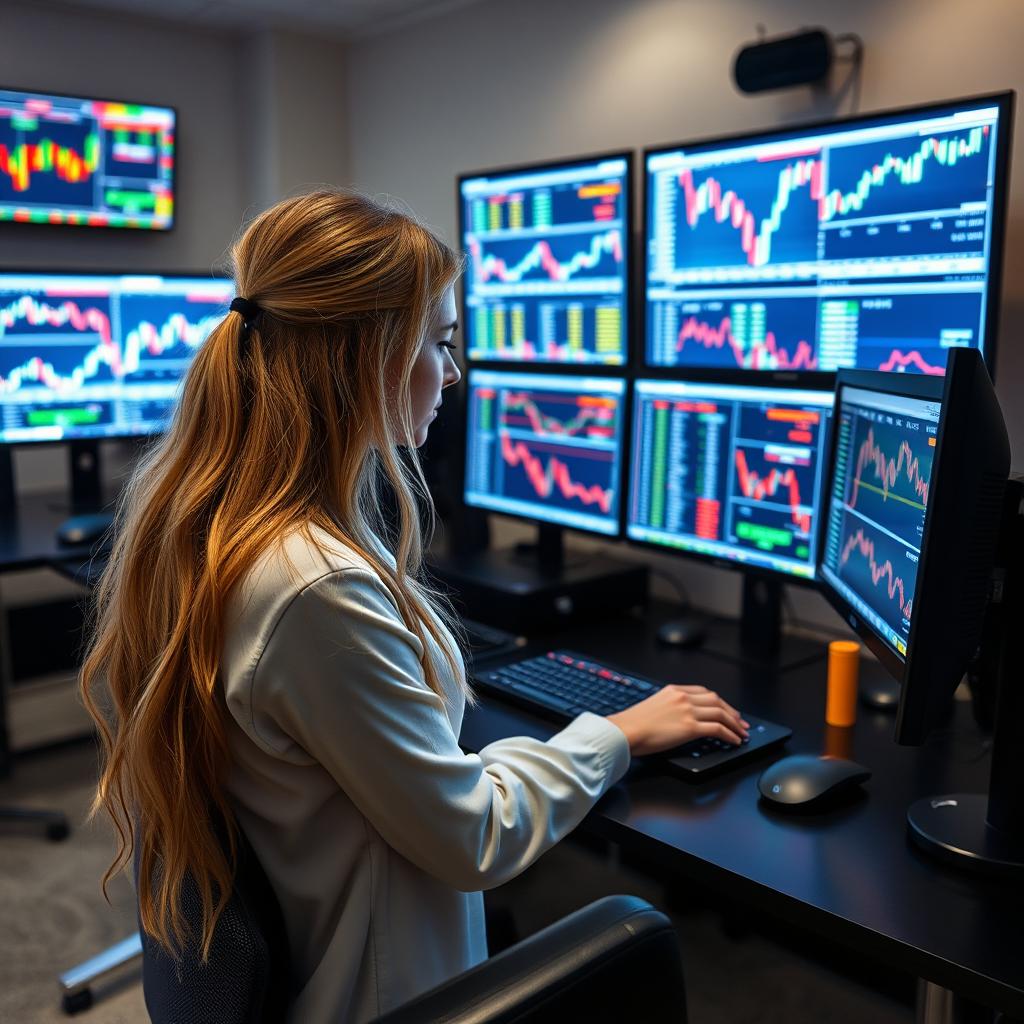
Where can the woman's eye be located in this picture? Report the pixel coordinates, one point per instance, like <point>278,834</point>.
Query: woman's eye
<point>448,345</point>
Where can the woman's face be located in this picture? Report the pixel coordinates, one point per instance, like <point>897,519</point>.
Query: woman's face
<point>434,368</point>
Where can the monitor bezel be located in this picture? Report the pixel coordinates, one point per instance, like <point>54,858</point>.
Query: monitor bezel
<point>139,230</point>
<point>717,561</point>
<point>823,379</point>
<point>623,474</point>
<point>905,385</point>
<point>629,317</point>
<point>63,271</point>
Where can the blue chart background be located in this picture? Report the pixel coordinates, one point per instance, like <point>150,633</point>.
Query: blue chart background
<point>566,205</point>
<point>564,247</point>
<point>710,244</point>
<point>534,331</point>
<point>157,310</point>
<point>857,573</point>
<point>586,465</point>
<point>790,319</point>
<point>44,186</point>
<point>559,406</point>
<point>941,187</point>
<point>915,322</point>
<point>129,169</point>
<point>901,519</point>
<point>64,358</point>
<point>891,239</point>
<point>755,425</point>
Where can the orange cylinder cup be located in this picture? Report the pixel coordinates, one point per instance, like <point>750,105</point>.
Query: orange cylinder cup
<point>843,672</point>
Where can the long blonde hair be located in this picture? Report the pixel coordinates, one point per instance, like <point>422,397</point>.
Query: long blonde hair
<point>296,424</point>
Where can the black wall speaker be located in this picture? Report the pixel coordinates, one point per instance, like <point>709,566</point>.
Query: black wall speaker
<point>797,59</point>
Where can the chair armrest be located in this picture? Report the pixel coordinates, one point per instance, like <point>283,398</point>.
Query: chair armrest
<point>616,960</point>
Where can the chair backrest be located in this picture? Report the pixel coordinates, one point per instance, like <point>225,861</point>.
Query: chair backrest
<point>615,960</point>
<point>246,977</point>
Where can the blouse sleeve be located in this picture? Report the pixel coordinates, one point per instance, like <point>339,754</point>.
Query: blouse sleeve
<point>340,680</point>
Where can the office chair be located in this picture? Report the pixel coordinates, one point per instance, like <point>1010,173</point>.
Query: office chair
<point>616,959</point>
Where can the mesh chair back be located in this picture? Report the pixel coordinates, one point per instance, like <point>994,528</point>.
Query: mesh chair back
<point>245,979</point>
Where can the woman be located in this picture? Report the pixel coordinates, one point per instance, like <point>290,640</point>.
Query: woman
<point>273,658</point>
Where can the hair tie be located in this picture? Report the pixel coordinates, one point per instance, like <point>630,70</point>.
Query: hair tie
<point>249,311</point>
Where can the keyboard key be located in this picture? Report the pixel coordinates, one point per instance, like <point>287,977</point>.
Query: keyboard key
<point>547,699</point>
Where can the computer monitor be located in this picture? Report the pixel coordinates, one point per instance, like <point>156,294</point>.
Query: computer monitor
<point>85,161</point>
<point>913,499</point>
<point>872,242</point>
<point>922,553</point>
<point>546,447</point>
<point>549,262</point>
<point>729,472</point>
<point>98,355</point>
<point>88,356</point>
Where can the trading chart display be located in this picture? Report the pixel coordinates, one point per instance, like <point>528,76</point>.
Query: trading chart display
<point>83,161</point>
<point>98,356</point>
<point>876,509</point>
<point>863,244</point>
<point>728,472</point>
<point>548,264</point>
<point>546,447</point>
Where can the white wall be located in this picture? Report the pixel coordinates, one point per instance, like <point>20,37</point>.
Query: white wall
<point>504,82</point>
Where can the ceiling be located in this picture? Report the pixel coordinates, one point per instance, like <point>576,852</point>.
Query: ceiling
<point>337,17</point>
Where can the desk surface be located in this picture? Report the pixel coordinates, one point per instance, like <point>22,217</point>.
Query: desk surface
<point>850,874</point>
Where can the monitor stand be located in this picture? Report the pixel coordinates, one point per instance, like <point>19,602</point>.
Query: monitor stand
<point>971,830</point>
<point>536,586</point>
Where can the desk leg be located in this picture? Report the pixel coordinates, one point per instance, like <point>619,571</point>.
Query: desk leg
<point>935,1005</point>
<point>938,1005</point>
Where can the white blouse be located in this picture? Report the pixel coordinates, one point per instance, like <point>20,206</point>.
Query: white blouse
<point>376,831</point>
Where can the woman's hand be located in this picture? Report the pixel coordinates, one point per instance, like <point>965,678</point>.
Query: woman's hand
<point>676,715</point>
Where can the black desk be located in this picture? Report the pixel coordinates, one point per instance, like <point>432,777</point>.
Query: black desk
<point>849,875</point>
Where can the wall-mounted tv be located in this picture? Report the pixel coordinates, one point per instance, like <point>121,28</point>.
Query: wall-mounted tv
<point>92,162</point>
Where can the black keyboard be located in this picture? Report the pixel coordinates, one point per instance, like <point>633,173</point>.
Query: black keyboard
<point>564,684</point>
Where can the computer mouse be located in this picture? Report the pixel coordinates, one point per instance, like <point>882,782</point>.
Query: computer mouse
<point>84,529</point>
<point>805,782</point>
<point>684,632</point>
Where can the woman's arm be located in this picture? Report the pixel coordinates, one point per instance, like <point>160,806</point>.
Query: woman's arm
<point>340,679</point>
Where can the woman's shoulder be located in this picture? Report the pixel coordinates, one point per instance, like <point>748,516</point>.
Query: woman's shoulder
<point>294,563</point>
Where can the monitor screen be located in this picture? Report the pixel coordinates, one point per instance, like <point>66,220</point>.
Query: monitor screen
<point>546,447</point>
<point>98,355</point>
<point>548,271</point>
<point>873,242</point>
<point>67,160</point>
<point>728,472</point>
<point>875,511</point>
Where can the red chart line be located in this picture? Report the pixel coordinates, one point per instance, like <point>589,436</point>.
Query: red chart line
<point>894,584</point>
<point>709,336</point>
<point>887,470</point>
<point>758,488</point>
<point>556,474</point>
